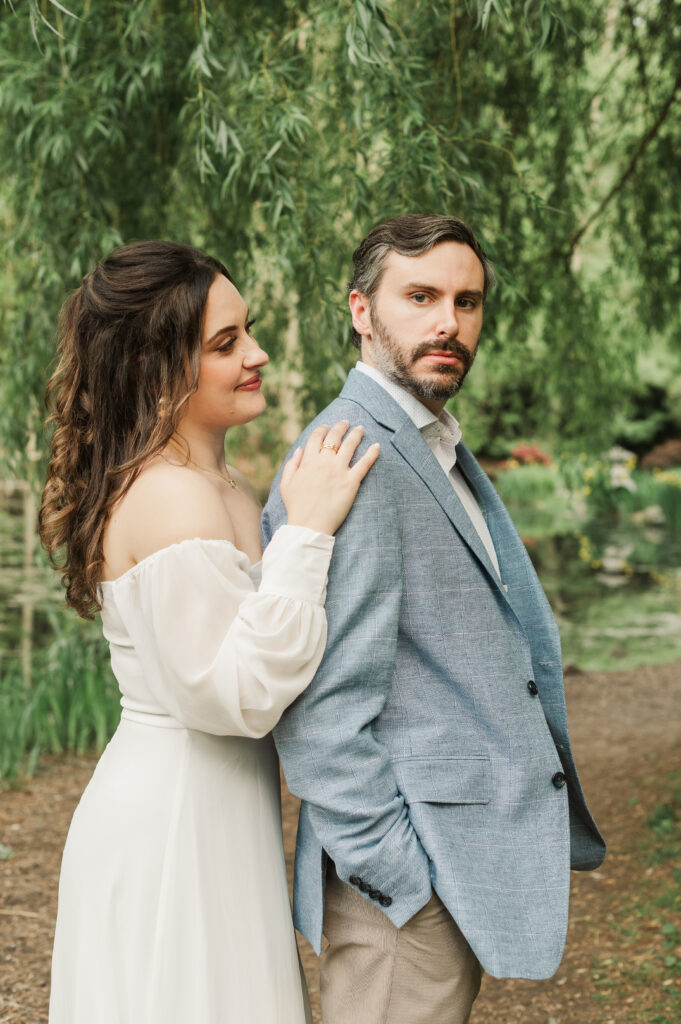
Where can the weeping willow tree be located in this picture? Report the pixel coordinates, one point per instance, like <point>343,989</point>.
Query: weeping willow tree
<point>275,134</point>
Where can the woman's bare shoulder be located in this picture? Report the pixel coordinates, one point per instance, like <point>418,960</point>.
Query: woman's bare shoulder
<point>164,505</point>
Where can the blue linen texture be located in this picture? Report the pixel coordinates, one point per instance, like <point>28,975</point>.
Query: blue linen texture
<point>420,754</point>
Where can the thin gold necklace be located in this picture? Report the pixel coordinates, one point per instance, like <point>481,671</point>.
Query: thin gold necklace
<point>214,472</point>
<point>226,478</point>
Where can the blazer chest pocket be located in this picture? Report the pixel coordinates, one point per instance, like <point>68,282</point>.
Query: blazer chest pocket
<point>445,780</point>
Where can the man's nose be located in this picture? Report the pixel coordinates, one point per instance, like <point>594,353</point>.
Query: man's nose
<point>448,325</point>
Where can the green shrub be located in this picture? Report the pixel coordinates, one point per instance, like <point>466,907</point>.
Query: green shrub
<point>73,703</point>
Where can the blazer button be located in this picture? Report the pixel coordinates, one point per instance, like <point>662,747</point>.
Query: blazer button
<point>364,887</point>
<point>355,880</point>
<point>559,780</point>
<point>533,688</point>
<point>375,894</point>
<point>385,901</point>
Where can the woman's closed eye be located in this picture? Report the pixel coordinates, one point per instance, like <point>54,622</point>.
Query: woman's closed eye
<point>229,342</point>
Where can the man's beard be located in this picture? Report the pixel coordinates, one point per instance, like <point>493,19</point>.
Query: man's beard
<point>396,364</point>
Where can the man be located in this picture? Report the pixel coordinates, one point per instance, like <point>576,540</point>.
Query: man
<point>441,805</point>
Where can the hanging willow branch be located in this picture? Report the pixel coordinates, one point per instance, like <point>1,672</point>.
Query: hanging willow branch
<point>631,167</point>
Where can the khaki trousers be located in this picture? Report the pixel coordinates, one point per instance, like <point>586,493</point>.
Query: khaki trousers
<point>375,973</point>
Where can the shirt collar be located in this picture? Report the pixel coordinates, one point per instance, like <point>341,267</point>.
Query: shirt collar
<point>427,422</point>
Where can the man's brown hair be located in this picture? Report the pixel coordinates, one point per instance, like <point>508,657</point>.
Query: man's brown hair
<point>410,235</point>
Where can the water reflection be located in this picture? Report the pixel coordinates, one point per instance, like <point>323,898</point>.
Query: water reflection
<point>30,593</point>
<point>615,587</point>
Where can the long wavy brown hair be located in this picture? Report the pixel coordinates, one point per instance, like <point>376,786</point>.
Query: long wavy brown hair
<point>129,354</point>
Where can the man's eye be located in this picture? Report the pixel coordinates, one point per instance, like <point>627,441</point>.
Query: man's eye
<point>419,297</point>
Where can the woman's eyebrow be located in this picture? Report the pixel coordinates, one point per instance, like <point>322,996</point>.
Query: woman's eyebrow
<point>223,330</point>
<point>226,330</point>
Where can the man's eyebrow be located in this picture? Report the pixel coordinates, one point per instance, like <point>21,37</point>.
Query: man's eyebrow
<point>417,286</point>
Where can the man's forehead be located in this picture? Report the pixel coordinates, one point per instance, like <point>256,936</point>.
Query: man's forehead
<point>445,263</point>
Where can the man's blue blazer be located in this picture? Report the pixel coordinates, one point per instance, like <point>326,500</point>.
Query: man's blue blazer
<point>431,748</point>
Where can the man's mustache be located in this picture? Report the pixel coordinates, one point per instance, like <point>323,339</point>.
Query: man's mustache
<point>451,345</point>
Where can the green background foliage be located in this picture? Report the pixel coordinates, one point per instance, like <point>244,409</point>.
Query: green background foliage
<point>276,133</point>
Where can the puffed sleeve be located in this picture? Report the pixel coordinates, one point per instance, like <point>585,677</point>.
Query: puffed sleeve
<point>218,654</point>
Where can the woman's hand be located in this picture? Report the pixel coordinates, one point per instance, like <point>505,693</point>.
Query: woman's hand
<point>318,485</point>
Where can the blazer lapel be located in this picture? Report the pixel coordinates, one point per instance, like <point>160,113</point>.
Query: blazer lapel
<point>409,442</point>
<point>525,598</point>
<point>515,564</point>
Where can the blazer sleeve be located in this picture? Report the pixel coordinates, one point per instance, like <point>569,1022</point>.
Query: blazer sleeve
<point>325,740</point>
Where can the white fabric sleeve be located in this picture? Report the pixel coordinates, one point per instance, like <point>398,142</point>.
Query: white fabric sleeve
<point>217,654</point>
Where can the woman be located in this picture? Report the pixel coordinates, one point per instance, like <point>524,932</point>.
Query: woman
<point>173,905</point>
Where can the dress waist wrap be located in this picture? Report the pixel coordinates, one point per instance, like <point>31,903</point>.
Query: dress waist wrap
<point>150,717</point>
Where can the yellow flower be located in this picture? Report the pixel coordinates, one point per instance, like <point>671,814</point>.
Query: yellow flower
<point>589,473</point>
<point>669,476</point>
<point>586,490</point>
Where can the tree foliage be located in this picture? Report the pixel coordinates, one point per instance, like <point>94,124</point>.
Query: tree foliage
<point>275,134</point>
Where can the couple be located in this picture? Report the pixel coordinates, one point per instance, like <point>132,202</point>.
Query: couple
<point>409,667</point>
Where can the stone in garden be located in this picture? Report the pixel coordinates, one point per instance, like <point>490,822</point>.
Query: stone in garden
<point>650,516</point>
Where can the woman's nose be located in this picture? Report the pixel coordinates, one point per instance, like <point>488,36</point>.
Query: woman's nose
<point>254,355</point>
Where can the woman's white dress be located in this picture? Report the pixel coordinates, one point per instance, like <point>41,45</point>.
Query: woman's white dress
<point>173,903</point>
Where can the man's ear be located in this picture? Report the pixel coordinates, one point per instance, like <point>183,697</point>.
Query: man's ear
<point>361,316</point>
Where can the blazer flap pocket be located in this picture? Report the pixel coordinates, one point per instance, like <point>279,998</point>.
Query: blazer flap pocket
<point>444,780</point>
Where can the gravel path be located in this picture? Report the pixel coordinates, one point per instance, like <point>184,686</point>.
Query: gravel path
<point>626,731</point>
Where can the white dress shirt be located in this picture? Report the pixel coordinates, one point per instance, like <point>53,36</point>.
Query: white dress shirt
<point>441,434</point>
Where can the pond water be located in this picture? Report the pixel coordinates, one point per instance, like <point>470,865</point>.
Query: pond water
<point>622,613</point>
<point>614,587</point>
<point>627,617</point>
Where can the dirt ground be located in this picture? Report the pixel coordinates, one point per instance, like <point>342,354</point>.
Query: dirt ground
<point>626,731</point>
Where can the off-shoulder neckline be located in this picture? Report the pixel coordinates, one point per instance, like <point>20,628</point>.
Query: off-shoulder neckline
<point>178,544</point>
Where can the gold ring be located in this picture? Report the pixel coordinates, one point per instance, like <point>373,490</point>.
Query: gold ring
<point>333,447</point>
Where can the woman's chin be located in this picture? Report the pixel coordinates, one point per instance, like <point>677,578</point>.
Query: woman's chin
<point>256,409</point>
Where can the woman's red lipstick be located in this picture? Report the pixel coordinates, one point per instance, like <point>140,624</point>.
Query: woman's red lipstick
<point>252,384</point>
